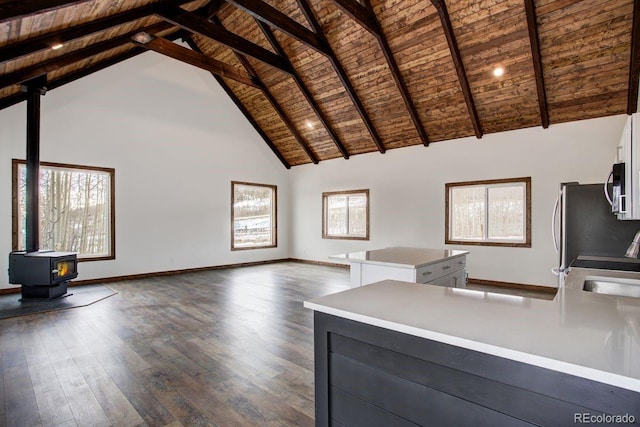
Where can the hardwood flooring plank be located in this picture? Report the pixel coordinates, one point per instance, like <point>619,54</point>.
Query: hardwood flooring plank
<point>115,405</point>
<point>148,407</point>
<point>52,404</point>
<point>20,400</point>
<point>82,402</point>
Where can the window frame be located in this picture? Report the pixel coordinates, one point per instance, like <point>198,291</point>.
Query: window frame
<point>274,213</point>
<point>325,196</point>
<point>15,220</point>
<point>489,183</point>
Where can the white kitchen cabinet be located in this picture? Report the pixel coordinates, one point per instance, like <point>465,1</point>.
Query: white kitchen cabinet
<point>418,265</point>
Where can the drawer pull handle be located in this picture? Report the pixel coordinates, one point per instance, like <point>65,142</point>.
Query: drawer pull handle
<point>461,262</point>
<point>426,273</point>
<point>446,267</point>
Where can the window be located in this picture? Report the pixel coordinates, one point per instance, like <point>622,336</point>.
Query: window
<point>490,213</point>
<point>253,216</point>
<point>345,215</point>
<point>76,209</point>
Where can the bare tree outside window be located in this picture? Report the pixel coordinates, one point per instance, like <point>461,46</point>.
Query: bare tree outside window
<point>253,216</point>
<point>345,215</point>
<point>492,213</point>
<point>75,209</point>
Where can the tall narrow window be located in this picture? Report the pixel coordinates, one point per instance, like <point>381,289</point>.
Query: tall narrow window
<point>253,216</point>
<point>491,213</point>
<point>345,215</point>
<point>76,209</point>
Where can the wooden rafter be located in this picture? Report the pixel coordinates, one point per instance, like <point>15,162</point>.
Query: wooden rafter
<point>537,61</point>
<point>194,23</point>
<point>10,10</point>
<point>270,15</point>
<point>316,40</point>
<point>75,56</point>
<point>273,101</point>
<point>214,7</point>
<point>75,75</point>
<point>304,89</point>
<point>360,14</point>
<point>365,16</point>
<point>194,46</point>
<point>634,66</point>
<point>342,75</point>
<point>45,41</point>
<point>172,50</point>
<point>441,7</point>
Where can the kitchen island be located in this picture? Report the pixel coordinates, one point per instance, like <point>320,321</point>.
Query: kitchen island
<point>398,353</point>
<point>443,267</point>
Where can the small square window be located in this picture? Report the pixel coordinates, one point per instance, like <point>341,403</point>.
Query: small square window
<point>345,215</point>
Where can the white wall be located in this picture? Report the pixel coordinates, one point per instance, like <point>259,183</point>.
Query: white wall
<point>407,192</point>
<point>176,141</point>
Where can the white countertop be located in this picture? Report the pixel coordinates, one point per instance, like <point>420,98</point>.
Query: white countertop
<point>400,256</point>
<point>589,335</point>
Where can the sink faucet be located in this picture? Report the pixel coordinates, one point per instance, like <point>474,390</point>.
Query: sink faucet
<point>632,251</point>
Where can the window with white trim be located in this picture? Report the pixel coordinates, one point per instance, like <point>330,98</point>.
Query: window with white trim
<point>345,215</point>
<point>492,213</point>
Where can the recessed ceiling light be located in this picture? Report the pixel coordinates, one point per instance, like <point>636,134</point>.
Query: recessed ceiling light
<point>309,124</point>
<point>498,71</point>
<point>57,46</point>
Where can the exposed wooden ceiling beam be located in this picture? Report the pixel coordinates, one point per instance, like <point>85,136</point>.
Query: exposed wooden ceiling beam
<point>194,46</point>
<point>360,14</point>
<point>10,10</point>
<point>534,40</point>
<point>172,50</point>
<point>45,41</point>
<point>366,17</point>
<point>270,15</point>
<point>441,7</point>
<point>342,75</point>
<point>214,7</point>
<point>197,24</point>
<point>75,75</point>
<point>304,89</point>
<point>274,102</point>
<point>634,66</point>
<point>58,62</point>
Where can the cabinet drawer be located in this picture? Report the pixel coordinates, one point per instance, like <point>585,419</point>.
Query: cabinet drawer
<point>454,280</point>
<point>458,263</point>
<point>431,272</point>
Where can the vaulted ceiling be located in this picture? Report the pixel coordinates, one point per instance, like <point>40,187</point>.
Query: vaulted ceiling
<point>323,79</point>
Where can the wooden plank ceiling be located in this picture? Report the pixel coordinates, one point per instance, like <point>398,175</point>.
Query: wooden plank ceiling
<point>323,79</point>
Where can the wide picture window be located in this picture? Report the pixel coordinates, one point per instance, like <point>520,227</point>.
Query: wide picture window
<point>345,215</point>
<point>76,209</point>
<point>253,216</point>
<point>490,213</point>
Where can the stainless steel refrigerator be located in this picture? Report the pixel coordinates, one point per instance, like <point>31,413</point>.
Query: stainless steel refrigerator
<point>583,224</point>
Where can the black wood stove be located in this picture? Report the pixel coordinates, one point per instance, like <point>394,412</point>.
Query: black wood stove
<point>43,275</point>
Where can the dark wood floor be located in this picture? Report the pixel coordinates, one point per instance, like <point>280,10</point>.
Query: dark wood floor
<point>226,347</point>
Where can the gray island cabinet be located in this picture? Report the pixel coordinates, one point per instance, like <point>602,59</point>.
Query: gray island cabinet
<point>405,354</point>
<point>442,267</point>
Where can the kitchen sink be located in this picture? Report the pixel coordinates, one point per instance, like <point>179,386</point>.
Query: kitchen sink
<point>613,286</point>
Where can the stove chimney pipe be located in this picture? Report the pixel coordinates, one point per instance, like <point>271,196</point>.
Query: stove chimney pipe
<point>34,89</point>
